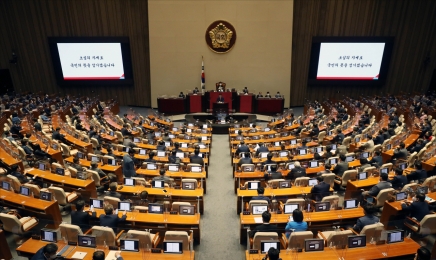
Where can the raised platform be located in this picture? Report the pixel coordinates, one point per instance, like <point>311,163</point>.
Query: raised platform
<point>219,128</point>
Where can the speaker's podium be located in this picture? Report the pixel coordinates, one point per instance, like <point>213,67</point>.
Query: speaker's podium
<point>220,108</point>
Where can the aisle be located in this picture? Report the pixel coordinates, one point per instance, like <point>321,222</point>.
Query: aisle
<point>220,224</point>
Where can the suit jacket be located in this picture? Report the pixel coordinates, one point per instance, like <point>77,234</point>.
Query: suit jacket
<point>128,166</point>
<point>339,138</point>
<point>417,209</point>
<point>245,161</point>
<point>242,149</point>
<point>375,190</point>
<point>364,221</point>
<point>261,197</point>
<point>263,228</point>
<point>111,221</point>
<point>161,147</point>
<point>320,190</point>
<point>419,175</point>
<point>340,168</point>
<point>262,149</point>
<point>115,195</point>
<point>39,255</point>
<point>196,159</point>
<point>296,172</point>
<point>57,136</point>
<point>398,181</point>
<point>275,176</point>
<point>400,154</point>
<point>379,139</point>
<point>80,219</point>
<point>220,99</point>
<point>376,161</point>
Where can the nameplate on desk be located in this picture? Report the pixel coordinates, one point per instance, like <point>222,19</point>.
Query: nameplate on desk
<point>253,251</point>
<point>113,248</point>
<point>156,250</point>
<point>242,188</point>
<point>173,212</point>
<point>246,213</point>
<point>73,243</point>
<point>36,237</point>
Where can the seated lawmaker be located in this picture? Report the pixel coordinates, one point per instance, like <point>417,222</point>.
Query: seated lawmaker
<point>297,172</point>
<point>195,91</point>
<point>320,190</point>
<point>245,90</point>
<point>383,184</point>
<point>265,227</point>
<point>245,160</point>
<point>399,179</point>
<point>260,196</point>
<point>196,158</point>
<point>80,217</point>
<point>368,219</point>
<point>419,174</point>
<point>21,177</point>
<point>46,252</point>
<point>268,95</point>
<point>278,95</point>
<point>273,174</point>
<point>269,160</point>
<point>259,95</point>
<point>262,149</point>
<point>418,208</point>
<point>295,223</point>
<point>109,219</point>
<point>181,95</point>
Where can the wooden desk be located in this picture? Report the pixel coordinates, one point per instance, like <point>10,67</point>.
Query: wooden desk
<point>406,249</point>
<point>77,143</point>
<point>315,220</point>
<point>104,167</point>
<point>177,176</point>
<point>31,246</point>
<point>41,209</point>
<point>7,159</point>
<point>193,196</point>
<point>354,187</point>
<point>55,154</point>
<point>66,182</point>
<point>387,155</point>
<point>429,164</point>
<point>5,252</point>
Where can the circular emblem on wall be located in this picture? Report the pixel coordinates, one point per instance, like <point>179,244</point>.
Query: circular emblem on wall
<point>220,36</point>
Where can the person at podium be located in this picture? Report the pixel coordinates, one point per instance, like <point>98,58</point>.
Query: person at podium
<point>220,99</point>
<point>195,91</point>
<point>245,90</point>
<point>181,95</point>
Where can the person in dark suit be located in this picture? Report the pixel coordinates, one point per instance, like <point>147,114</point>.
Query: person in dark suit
<point>260,196</point>
<point>220,99</point>
<point>245,90</point>
<point>339,137</point>
<point>383,184</point>
<point>162,177</point>
<point>129,164</point>
<point>341,167</point>
<point>315,130</point>
<point>173,158</point>
<point>47,252</point>
<point>269,160</point>
<point>419,174</point>
<point>245,160</point>
<point>399,179</point>
<point>195,90</point>
<point>151,156</point>
<point>100,255</point>
<point>243,148</point>
<point>401,152</point>
<point>57,135</point>
<point>37,125</point>
<point>297,172</point>
<point>161,146</point>
<point>109,219</point>
<point>377,159</point>
<point>14,172</point>
<point>368,219</point>
<point>79,217</point>
<point>113,191</point>
<point>265,227</point>
<point>196,158</point>
<point>273,175</point>
<point>418,208</point>
<point>181,95</point>
<point>262,149</point>
<point>320,190</point>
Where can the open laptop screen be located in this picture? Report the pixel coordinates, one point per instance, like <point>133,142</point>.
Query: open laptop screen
<point>173,247</point>
<point>356,241</point>
<point>24,191</point>
<point>155,208</point>
<point>267,244</point>
<point>86,241</point>
<point>258,209</point>
<point>49,235</point>
<point>129,245</point>
<point>129,182</point>
<point>314,245</point>
<point>351,204</point>
<point>289,208</point>
<point>395,236</point>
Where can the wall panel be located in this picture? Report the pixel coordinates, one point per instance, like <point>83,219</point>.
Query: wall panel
<point>412,23</point>
<point>26,25</point>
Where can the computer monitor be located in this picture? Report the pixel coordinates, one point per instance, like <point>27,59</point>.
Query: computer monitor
<point>351,204</point>
<point>384,170</point>
<point>96,203</point>
<point>80,155</point>
<point>314,244</point>
<point>196,169</point>
<point>155,208</point>
<point>357,139</point>
<point>49,235</point>
<point>313,164</point>
<point>87,241</point>
<point>402,166</point>
<point>129,182</point>
<point>313,182</point>
<point>400,196</point>
<point>151,166</point>
<point>349,158</point>
<point>253,185</point>
<point>112,133</point>
<point>95,159</point>
<point>112,162</point>
<point>130,244</point>
<point>188,185</point>
<point>157,134</point>
<point>167,143</point>
<point>291,166</point>
<point>54,146</point>
<point>136,140</point>
<point>204,126</point>
<point>82,175</point>
<point>173,167</point>
<point>142,151</point>
<point>204,138</point>
<point>160,153</point>
<point>24,191</point>
<point>122,205</point>
<point>364,155</point>
<point>293,141</point>
<point>175,129</point>
<point>283,154</point>
<point>388,146</point>
<point>258,209</point>
<point>289,208</point>
<point>202,146</point>
<point>267,129</point>
<point>333,161</point>
<point>180,155</point>
<point>302,151</point>
<point>44,195</point>
<point>356,241</point>
<point>171,136</point>
<point>60,171</point>
<point>126,149</point>
<point>284,184</point>
<point>319,149</point>
<point>173,247</point>
<point>276,143</point>
<point>322,206</point>
<point>158,184</point>
<point>184,145</point>
<point>6,185</point>
<point>422,190</point>
<point>186,209</point>
<point>41,166</point>
<point>263,155</point>
<point>265,245</point>
<point>248,168</point>
<point>334,146</point>
<point>362,176</point>
<point>395,236</point>
<point>188,130</point>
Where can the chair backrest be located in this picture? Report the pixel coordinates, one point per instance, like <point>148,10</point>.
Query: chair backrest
<point>377,147</point>
<point>191,180</point>
<point>65,150</point>
<point>73,171</point>
<point>144,238</point>
<point>301,202</point>
<point>372,232</point>
<point>349,175</point>
<point>247,166</point>
<point>70,231</point>
<point>94,142</point>
<point>59,194</point>
<point>176,205</point>
<point>179,235</point>
<point>383,195</point>
<point>387,165</point>
<point>302,181</point>
<point>15,182</point>
<point>261,236</point>
<point>54,166</point>
<point>94,175</point>
<point>189,166</point>
<point>412,186</point>
<point>333,199</point>
<point>111,200</point>
<point>412,158</point>
<point>104,234</point>
<point>34,189</point>
<point>11,223</point>
<point>119,136</point>
<point>339,239</point>
<point>329,178</point>
<point>296,239</point>
<point>275,183</point>
<point>321,136</point>
<point>369,170</point>
<point>346,141</point>
<point>428,225</point>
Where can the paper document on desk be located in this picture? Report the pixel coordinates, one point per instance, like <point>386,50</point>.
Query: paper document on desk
<point>258,220</point>
<point>79,255</point>
<point>428,199</point>
<point>111,255</point>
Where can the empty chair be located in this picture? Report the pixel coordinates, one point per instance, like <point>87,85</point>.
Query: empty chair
<point>321,136</point>
<point>15,183</point>
<point>370,170</point>
<point>427,226</point>
<point>186,239</point>
<point>372,232</point>
<point>302,181</point>
<point>66,152</point>
<point>97,180</point>
<point>301,202</point>
<point>146,239</point>
<point>329,178</point>
<point>383,196</point>
<point>333,199</point>
<point>111,200</point>
<point>70,232</point>
<point>410,186</point>
<point>275,183</point>
<point>349,175</point>
<point>346,142</point>
<point>62,197</point>
<point>296,239</point>
<point>411,160</point>
<point>262,236</point>
<point>190,181</point>
<point>16,225</point>
<point>335,238</point>
<point>257,203</point>
<point>176,205</point>
<point>106,235</point>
